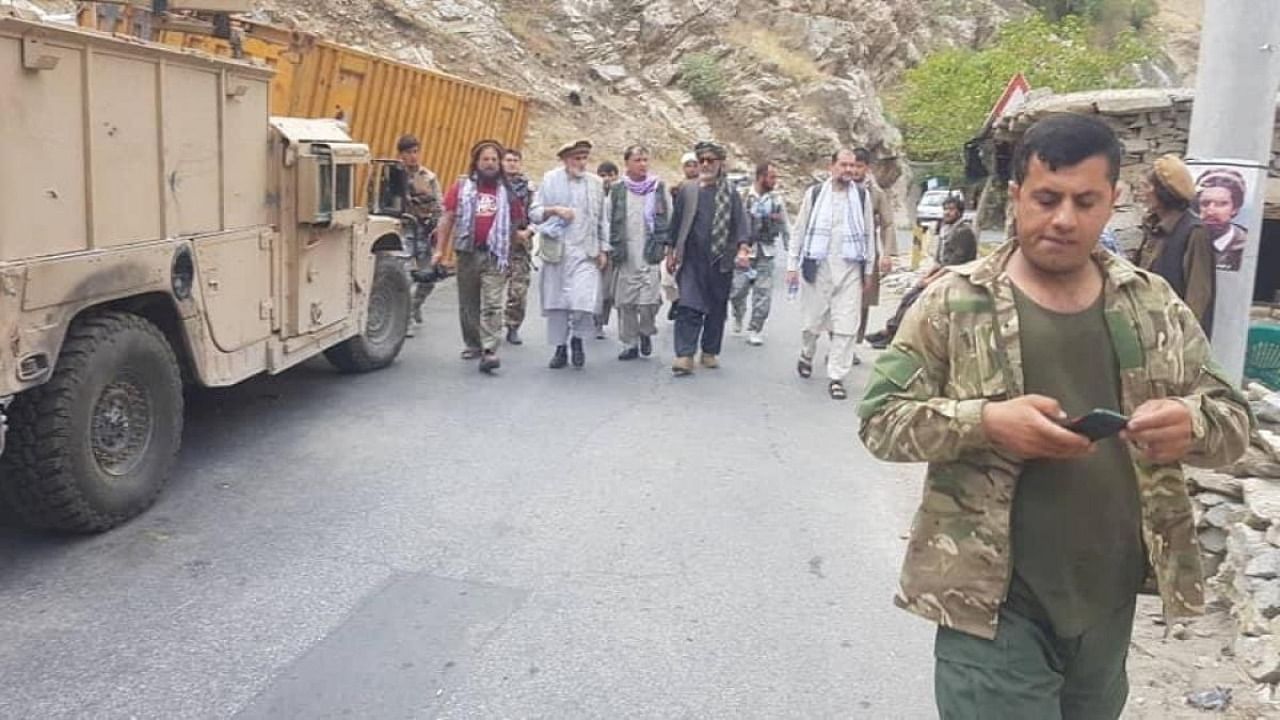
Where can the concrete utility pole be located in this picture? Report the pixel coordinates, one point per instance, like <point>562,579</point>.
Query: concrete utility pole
<point>1232,123</point>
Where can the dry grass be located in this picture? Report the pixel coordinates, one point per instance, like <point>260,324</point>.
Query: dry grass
<point>769,47</point>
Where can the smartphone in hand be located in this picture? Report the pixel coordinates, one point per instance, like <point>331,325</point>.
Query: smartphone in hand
<point>1098,425</point>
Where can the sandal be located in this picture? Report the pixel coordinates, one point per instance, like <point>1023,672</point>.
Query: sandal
<point>470,354</point>
<point>836,390</point>
<point>804,368</point>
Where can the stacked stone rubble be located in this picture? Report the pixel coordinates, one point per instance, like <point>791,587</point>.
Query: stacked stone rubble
<point>1238,523</point>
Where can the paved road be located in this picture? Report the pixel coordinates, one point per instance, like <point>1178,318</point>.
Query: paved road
<point>425,542</point>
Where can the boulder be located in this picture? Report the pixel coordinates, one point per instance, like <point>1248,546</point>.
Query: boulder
<point>1262,497</point>
<point>1259,657</point>
<point>1264,566</point>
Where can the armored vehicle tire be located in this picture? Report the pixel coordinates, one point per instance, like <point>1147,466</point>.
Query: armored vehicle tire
<point>384,333</point>
<point>93,446</point>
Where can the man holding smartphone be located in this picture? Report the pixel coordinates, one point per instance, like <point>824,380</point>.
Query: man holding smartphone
<point>1032,541</point>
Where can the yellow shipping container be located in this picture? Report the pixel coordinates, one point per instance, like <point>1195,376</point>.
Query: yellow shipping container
<point>379,98</point>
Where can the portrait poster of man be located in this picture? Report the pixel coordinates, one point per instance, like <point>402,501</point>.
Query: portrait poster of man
<point>1221,196</point>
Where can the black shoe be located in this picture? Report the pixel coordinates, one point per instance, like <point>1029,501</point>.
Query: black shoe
<point>876,337</point>
<point>513,337</point>
<point>489,362</point>
<point>880,343</point>
<point>579,356</point>
<point>630,353</point>
<point>646,345</point>
<point>560,359</point>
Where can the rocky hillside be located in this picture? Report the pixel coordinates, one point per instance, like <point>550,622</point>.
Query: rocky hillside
<point>799,76</point>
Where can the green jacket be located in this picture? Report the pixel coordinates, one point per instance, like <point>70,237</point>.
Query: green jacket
<point>957,349</point>
<point>655,243</point>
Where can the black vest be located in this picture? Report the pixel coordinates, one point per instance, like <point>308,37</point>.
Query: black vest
<point>1170,263</point>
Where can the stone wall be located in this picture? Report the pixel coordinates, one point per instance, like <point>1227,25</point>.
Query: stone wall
<point>1238,522</point>
<point>1149,122</point>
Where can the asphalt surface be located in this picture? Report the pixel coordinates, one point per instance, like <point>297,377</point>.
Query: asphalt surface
<point>427,542</point>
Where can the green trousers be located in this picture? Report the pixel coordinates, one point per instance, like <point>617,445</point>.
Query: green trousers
<point>1029,672</point>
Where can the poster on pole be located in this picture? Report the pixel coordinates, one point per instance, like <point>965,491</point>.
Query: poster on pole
<point>1224,201</point>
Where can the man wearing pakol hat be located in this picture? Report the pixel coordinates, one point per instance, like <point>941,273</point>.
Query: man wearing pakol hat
<point>710,237</point>
<point>1175,244</point>
<point>568,209</point>
<point>1219,198</point>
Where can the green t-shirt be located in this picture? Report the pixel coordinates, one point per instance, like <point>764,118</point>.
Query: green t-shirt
<point>1077,525</point>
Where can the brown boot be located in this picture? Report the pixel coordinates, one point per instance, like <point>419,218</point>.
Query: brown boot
<point>710,361</point>
<point>682,366</point>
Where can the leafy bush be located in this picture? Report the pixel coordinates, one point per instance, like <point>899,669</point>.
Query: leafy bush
<point>700,76</point>
<point>1109,14</point>
<point>943,102</point>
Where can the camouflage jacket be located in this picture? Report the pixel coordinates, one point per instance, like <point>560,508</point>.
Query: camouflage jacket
<point>959,348</point>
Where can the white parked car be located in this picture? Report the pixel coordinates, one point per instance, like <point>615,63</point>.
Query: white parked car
<point>929,209</point>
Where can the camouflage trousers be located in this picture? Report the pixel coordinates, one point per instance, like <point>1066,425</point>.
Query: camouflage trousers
<point>759,288</point>
<point>480,299</point>
<point>518,277</point>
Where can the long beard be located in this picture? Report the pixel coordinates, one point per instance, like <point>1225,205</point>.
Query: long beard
<point>488,175</point>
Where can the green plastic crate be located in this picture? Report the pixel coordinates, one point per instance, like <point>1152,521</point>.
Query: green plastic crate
<point>1262,358</point>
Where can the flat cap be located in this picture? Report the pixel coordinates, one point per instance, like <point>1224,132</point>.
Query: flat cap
<point>573,146</point>
<point>1172,173</point>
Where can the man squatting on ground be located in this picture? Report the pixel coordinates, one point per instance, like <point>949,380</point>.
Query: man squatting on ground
<point>1031,542</point>
<point>569,210</point>
<point>957,245</point>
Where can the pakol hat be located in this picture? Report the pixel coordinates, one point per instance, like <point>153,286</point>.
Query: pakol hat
<point>688,158</point>
<point>573,146</point>
<point>1173,174</point>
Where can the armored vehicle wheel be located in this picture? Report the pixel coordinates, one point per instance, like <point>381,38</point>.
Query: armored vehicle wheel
<point>384,333</point>
<point>93,446</point>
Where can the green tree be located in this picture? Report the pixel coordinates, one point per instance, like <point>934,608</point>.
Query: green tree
<point>943,102</point>
<point>700,76</point>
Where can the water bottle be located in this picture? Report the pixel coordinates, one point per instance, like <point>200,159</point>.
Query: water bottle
<point>793,291</point>
<point>751,273</point>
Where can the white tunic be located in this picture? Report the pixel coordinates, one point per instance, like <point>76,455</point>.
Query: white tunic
<point>639,283</point>
<point>833,303</point>
<point>574,282</point>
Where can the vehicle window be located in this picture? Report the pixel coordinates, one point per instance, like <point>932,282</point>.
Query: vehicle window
<point>343,189</point>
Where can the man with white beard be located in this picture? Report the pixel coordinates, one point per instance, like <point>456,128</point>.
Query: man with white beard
<point>569,211</point>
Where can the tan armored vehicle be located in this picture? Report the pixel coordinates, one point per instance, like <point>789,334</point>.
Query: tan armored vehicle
<point>157,228</point>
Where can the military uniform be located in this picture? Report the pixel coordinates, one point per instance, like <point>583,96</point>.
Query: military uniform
<point>521,267</point>
<point>424,205</point>
<point>958,348</point>
<point>769,224</point>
